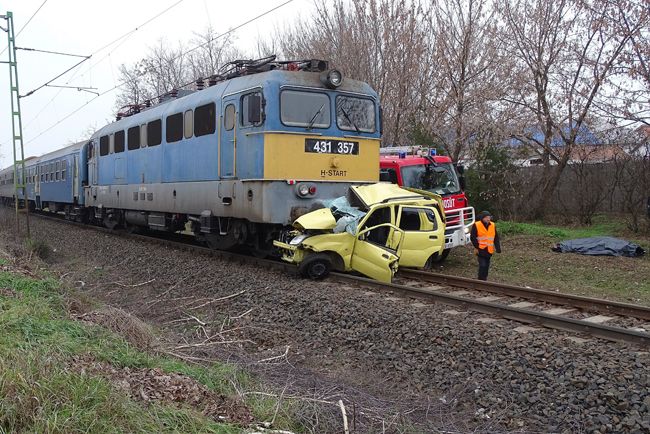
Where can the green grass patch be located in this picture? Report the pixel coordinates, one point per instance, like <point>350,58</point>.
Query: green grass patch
<point>601,227</point>
<point>40,392</point>
<point>527,260</point>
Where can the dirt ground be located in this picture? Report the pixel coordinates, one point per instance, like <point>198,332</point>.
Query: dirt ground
<point>527,260</point>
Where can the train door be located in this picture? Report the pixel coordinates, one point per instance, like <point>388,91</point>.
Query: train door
<point>228,138</point>
<point>75,177</point>
<point>37,186</point>
<point>92,163</point>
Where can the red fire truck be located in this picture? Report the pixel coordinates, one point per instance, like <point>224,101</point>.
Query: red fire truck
<point>421,168</point>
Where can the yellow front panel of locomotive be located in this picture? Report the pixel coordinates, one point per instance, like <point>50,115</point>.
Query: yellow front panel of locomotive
<point>285,158</point>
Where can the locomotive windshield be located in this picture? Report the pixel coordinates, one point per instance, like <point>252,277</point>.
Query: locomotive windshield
<point>305,109</point>
<point>355,114</point>
<point>440,179</point>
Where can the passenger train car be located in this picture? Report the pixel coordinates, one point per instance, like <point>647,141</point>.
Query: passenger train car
<point>54,181</point>
<point>238,160</point>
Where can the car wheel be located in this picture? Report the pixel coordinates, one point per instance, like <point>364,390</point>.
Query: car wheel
<point>316,266</point>
<point>437,258</point>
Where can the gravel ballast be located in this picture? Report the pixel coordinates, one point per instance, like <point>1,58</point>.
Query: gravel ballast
<point>455,370</point>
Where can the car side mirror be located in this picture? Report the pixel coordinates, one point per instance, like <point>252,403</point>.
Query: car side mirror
<point>255,109</point>
<point>460,169</point>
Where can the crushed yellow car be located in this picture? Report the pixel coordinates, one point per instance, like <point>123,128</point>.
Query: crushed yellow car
<point>373,230</point>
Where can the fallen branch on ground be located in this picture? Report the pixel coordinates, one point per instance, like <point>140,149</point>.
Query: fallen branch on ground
<point>286,353</point>
<point>136,285</point>
<point>215,300</point>
<point>346,430</point>
<point>207,344</point>
<point>188,318</point>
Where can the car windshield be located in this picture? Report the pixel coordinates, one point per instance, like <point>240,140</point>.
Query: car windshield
<point>440,179</point>
<point>355,114</point>
<point>304,109</point>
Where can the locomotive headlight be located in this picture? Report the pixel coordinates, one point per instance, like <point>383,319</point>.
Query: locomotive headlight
<point>332,78</point>
<point>303,189</point>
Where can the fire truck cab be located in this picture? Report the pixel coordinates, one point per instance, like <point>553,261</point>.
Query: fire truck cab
<point>422,168</point>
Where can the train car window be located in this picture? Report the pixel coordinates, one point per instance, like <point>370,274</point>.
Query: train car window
<point>154,133</point>
<point>133,137</point>
<point>57,170</point>
<point>205,120</point>
<point>251,110</point>
<point>355,114</point>
<point>64,167</point>
<point>188,124</point>
<point>103,146</point>
<point>119,141</point>
<point>229,117</point>
<point>174,128</point>
<point>304,109</point>
<point>143,135</point>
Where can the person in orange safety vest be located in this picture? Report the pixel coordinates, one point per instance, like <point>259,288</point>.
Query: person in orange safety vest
<point>485,240</point>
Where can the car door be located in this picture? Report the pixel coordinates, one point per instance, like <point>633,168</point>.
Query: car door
<point>423,234</point>
<point>375,260</point>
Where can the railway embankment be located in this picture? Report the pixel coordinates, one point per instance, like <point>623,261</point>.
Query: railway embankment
<point>69,363</point>
<point>392,362</point>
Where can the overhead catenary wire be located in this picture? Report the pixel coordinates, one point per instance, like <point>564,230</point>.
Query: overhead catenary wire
<point>50,81</point>
<point>28,21</point>
<point>118,85</point>
<point>50,52</point>
<point>122,38</point>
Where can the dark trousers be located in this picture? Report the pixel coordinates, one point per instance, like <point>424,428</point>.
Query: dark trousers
<point>483,267</point>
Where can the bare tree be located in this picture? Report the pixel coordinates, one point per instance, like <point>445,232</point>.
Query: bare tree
<point>466,70</point>
<point>568,53</point>
<point>166,67</point>
<point>384,43</point>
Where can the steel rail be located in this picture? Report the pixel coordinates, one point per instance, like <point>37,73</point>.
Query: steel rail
<point>577,301</point>
<point>611,333</point>
<point>617,334</point>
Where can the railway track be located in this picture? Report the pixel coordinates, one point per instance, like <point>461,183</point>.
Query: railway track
<point>572,313</point>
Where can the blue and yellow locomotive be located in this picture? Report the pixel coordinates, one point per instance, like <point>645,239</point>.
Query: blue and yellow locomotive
<point>239,159</point>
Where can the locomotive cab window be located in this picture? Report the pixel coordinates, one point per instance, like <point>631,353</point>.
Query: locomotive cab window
<point>355,114</point>
<point>229,117</point>
<point>103,146</point>
<point>174,128</point>
<point>304,109</point>
<point>133,136</point>
<point>205,120</point>
<point>154,133</point>
<point>251,109</point>
<point>143,135</point>
<point>119,141</point>
<point>188,124</point>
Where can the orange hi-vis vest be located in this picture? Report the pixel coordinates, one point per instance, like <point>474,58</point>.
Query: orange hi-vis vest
<point>485,237</point>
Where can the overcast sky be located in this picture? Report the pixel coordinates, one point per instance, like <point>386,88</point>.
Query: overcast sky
<point>82,27</point>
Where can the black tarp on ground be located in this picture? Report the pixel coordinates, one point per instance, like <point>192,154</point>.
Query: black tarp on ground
<point>600,246</point>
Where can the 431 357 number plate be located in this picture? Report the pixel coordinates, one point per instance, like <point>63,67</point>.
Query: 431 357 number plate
<point>319,146</point>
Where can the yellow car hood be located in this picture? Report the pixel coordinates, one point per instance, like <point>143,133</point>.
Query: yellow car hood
<point>377,193</point>
<point>321,219</point>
